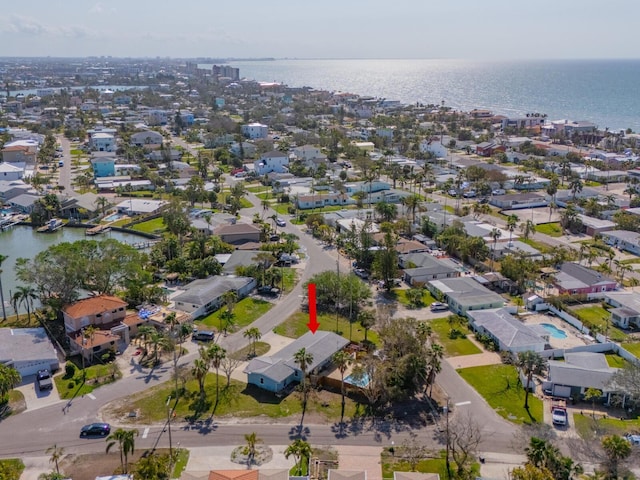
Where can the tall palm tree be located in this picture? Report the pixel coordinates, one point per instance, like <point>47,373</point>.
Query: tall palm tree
<point>56,454</point>
<point>342,360</point>
<point>102,203</point>
<point>495,234</point>
<point>300,450</point>
<point>303,359</point>
<point>4,311</point>
<point>531,363</point>
<point>253,334</point>
<point>512,222</point>
<point>25,295</point>
<point>527,228</point>
<point>616,449</point>
<point>199,371</point>
<point>216,354</point>
<point>125,439</point>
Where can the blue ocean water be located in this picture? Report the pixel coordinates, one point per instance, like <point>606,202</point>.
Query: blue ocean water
<point>601,91</point>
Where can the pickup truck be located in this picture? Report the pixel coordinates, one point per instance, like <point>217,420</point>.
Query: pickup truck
<point>43,378</point>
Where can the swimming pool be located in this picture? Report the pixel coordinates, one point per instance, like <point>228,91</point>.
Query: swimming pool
<point>360,381</point>
<point>554,331</point>
<point>113,217</point>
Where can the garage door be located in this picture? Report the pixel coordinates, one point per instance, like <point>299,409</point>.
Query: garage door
<point>31,368</point>
<point>561,391</point>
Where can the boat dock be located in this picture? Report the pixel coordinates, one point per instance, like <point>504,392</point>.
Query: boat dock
<point>98,229</point>
<point>51,226</point>
<point>7,222</point>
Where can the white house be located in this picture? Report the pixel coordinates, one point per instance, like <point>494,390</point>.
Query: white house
<point>146,138</point>
<point>433,146</point>
<point>157,117</point>
<point>510,333</point>
<point>27,350</point>
<point>255,130</point>
<point>9,172</point>
<point>307,152</point>
<point>205,295</point>
<point>273,161</point>
<point>102,142</point>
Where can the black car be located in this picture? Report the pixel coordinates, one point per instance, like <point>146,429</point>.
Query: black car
<point>95,430</point>
<point>43,378</point>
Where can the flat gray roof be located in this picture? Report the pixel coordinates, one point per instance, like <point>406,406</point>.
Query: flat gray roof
<point>24,344</point>
<point>205,290</point>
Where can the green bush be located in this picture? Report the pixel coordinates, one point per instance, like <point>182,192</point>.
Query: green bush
<point>69,370</point>
<point>71,384</point>
<point>456,333</point>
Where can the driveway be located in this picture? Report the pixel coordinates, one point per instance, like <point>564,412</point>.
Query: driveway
<point>35,398</point>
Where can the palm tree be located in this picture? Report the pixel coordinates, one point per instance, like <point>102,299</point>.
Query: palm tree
<point>251,448</point>
<point>303,359</point>
<point>215,354</point>
<point>342,360</point>
<point>531,363</point>
<point>4,312</point>
<point>56,454</point>
<point>300,450</point>
<point>617,449</point>
<point>512,222</point>
<point>25,297</point>
<point>575,186</point>
<point>102,203</point>
<point>367,319</point>
<point>435,354</point>
<point>527,228</point>
<point>199,371</point>
<point>496,233</point>
<point>253,334</point>
<point>126,444</point>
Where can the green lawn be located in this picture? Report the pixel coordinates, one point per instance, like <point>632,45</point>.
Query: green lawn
<point>96,375</point>
<point>182,458</point>
<point>259,189</point>
<point>541,246</point>
<point>245,203</point>
<point>597,316</point>
<point>453,347</point>
<point>238,400</point>
<point>401,296</point>
<point>501,388</point>
<point>265,195</point>
<point>296,325</point>
<point>243,354</point>
<point>632,348</point>
<point>245,312</point>
<point>11,468</point>
<point>393,462</point>
<point>615,361</point>
<point>155,225</point>
<point>589,427</point>
<point>552,229</point>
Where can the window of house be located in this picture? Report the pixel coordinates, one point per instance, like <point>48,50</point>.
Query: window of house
<point>261,380</point>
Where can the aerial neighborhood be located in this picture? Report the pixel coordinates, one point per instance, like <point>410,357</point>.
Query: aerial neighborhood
<point>186,249</point>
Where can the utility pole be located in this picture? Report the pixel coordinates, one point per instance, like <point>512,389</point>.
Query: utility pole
<point>169,412</point>
<point>337,290</point>
<point>446,409</point>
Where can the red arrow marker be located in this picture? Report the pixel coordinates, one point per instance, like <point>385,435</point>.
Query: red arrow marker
<point>313,319</point>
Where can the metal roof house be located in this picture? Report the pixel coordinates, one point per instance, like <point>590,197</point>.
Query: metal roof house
<point>203,296</point>
<point>274,373</point>
<point>578,372</point>
<point>510,333</point>
<point>27,350</point>
<point>464,294</point>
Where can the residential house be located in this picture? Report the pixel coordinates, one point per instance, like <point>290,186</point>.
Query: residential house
<point>21,154</point>
<point>307,152</point>
<point>510,333</point>
<point>626,311</point>
<point>140,206</point>
<point>486,149</point>
<point>103,164</point>
<point>367,187</point>
<point>623,240</point>
<point>419,268</point>
<point>273,161</point>
<point>243,258</point>
<point>102,142</point>
<point>235,475</point>
<point>573,278</point>
<point>255,130</point>
<point>27,350</point>
<point>205,295</point>
<point>339,474</point>
<point>11,189</point>
<point>238,233</point>
<point>596,226</point>
<point>24,203</point>
<point>10,172</point>
<point>518,200</point>
<point>434,147</point>
<point>275,373</point>
<point>249,150</point>
<point>157,117</point>
<point>415,476</point>
<point>147,138</point>
<point>464,294</point>
<point>319,200</point>
<point>578,372</point>
<point>207,222</point>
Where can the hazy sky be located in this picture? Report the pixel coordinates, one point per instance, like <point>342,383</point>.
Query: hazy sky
<point>491,29</point>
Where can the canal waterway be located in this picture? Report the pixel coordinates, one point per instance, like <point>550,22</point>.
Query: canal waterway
<point>26,242</point>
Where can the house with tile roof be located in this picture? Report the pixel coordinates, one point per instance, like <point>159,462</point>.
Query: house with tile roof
<point>276,372</point>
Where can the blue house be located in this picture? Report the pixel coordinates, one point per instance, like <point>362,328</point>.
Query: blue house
<point>103,165</point>
<point>274,373</point>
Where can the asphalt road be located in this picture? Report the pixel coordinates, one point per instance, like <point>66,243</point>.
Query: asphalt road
<point>31,433</point>
<point>64,178</point>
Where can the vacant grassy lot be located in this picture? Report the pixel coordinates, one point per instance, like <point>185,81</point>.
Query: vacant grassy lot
<point>453,347</point>
<point>296,325</point>
<point>245,352</point>
<point>501,388</point>
<point>238,400</point>
<point>150,226</point>
<point>598,317</point>
<point>589,427</point>
<point>245,312</point>
<point>401,296</point>
<point>552,229</point>
<point>394,462</point>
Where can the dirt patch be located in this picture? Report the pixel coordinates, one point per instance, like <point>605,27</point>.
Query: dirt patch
<point>87,467</point>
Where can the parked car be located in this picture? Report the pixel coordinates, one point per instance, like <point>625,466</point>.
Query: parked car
<point>438,307</point>
<point>61,163</point>
<point>633,439</point>
<point>43,378</point>
<point>268,290</point>
<point>361,272</point>
<point>95,430</point>
<point>498,191</point>
<point>469,194</point>
<point>559,416</point>
<point>452,192</point>
<point>280,222</point>
<point>203,335</point>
